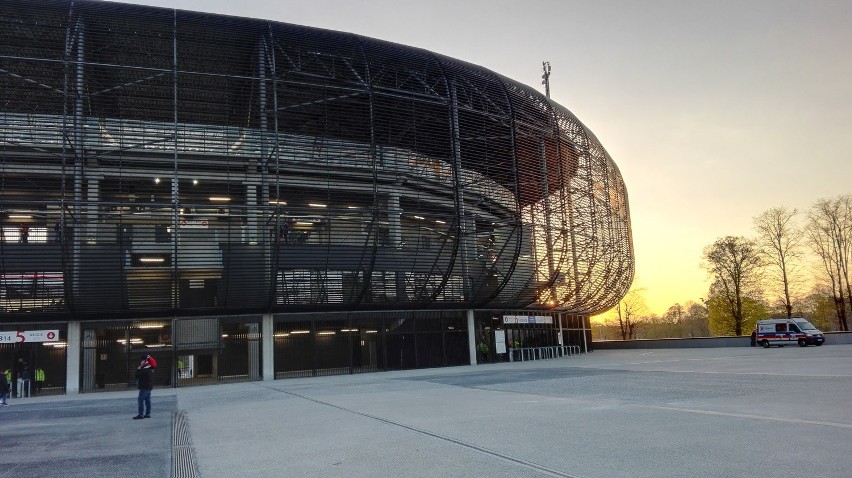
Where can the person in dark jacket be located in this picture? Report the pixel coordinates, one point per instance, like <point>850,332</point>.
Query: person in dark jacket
<point>4,388</point>
<point>145,382</point>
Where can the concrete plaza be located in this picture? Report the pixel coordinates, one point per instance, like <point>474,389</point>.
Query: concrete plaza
<point>710,412</point>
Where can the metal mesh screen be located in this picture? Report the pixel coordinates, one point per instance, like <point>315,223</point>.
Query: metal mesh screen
<point>157,161</point>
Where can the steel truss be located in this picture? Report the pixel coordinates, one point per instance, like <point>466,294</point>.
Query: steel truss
<point>162,161</point>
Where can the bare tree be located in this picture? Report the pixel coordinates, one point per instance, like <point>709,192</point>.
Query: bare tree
<point>822,246</point>
<point>672,321</point>
<point>696,322</point>
<point>830,233</point>
<point>628,312</point>
<point>779,239</point>
<point>819,307</point>
<point>734,263</point>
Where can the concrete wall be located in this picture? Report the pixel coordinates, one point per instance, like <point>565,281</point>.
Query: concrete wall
<point>702,342</point>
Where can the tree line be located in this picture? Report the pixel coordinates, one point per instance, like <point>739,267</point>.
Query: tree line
<point>795,264</point>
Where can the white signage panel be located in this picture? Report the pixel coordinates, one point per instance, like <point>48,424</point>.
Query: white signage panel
<point>527,319</point>
<point>29,336</point>
<point>500,341</point>
<point>194,223</point>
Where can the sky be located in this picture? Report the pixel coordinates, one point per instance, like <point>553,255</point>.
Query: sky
<point>713,111</point>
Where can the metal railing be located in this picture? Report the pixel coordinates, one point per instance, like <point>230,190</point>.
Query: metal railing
<point>543,353</point>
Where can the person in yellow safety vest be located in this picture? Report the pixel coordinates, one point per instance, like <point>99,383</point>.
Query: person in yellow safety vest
<point>10,383</point>
<point>483,351</point>
<point>39,379</point>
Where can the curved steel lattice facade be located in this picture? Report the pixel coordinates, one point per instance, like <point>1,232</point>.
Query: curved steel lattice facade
<point>158,161</point>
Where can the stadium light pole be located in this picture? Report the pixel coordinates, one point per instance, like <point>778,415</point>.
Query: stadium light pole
<point>545,77</point>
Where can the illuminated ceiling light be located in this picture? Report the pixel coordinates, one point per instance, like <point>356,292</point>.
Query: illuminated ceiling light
<point>316,204</point>
<point>440,221</point>
<point>20,216</point>
<point>219,198</point>
<point>326,332</point>
<point>278,203</point>
<point>152,259</point>
<point>353,207</point>
<point>281,334</point>
<point>419,217</point>
<point>151,326</point>
<point>195,182</point>
<point>303,223</point>
<point>132,341</point>
<point>156,180</point>
<point>300,332</point>
<point>371,331</point>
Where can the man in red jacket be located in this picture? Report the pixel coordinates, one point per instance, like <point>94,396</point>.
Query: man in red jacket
<point>145,381</point>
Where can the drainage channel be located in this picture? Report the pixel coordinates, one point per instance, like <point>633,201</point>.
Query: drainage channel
<point>184,464</point>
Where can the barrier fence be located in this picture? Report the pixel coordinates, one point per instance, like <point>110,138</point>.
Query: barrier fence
<point>543,353</point>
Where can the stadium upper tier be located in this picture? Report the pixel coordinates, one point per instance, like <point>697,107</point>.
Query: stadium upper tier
<point>158,160</point>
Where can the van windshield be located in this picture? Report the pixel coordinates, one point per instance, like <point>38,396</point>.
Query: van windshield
<point>805,325</point>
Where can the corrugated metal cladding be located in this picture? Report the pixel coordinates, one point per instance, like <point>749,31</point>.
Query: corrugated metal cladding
<point>157,161</point>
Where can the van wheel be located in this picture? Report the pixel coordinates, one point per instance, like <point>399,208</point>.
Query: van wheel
<point>764,344</point>
<point>802,343</point>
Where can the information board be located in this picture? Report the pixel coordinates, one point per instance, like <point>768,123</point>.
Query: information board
<point>500,341</point>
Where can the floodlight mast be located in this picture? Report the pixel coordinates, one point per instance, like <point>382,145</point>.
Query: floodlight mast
<point>545,77</point>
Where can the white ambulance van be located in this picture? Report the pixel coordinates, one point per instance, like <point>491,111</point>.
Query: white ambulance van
<point>781,332</point>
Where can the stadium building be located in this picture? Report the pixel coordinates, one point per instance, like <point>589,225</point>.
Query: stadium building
<point>253,200</point>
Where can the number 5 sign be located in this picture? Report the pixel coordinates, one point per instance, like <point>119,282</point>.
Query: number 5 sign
<point>29,336</point>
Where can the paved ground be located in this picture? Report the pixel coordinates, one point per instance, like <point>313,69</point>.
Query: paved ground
<point>724,412</point>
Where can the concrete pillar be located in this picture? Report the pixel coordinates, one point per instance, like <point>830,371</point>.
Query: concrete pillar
<point>559,338</point>
<point>254,351</point>
<point>267,346</point>
<point>471,337</point>
<point>72,358</point>
<point>89,358</point>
